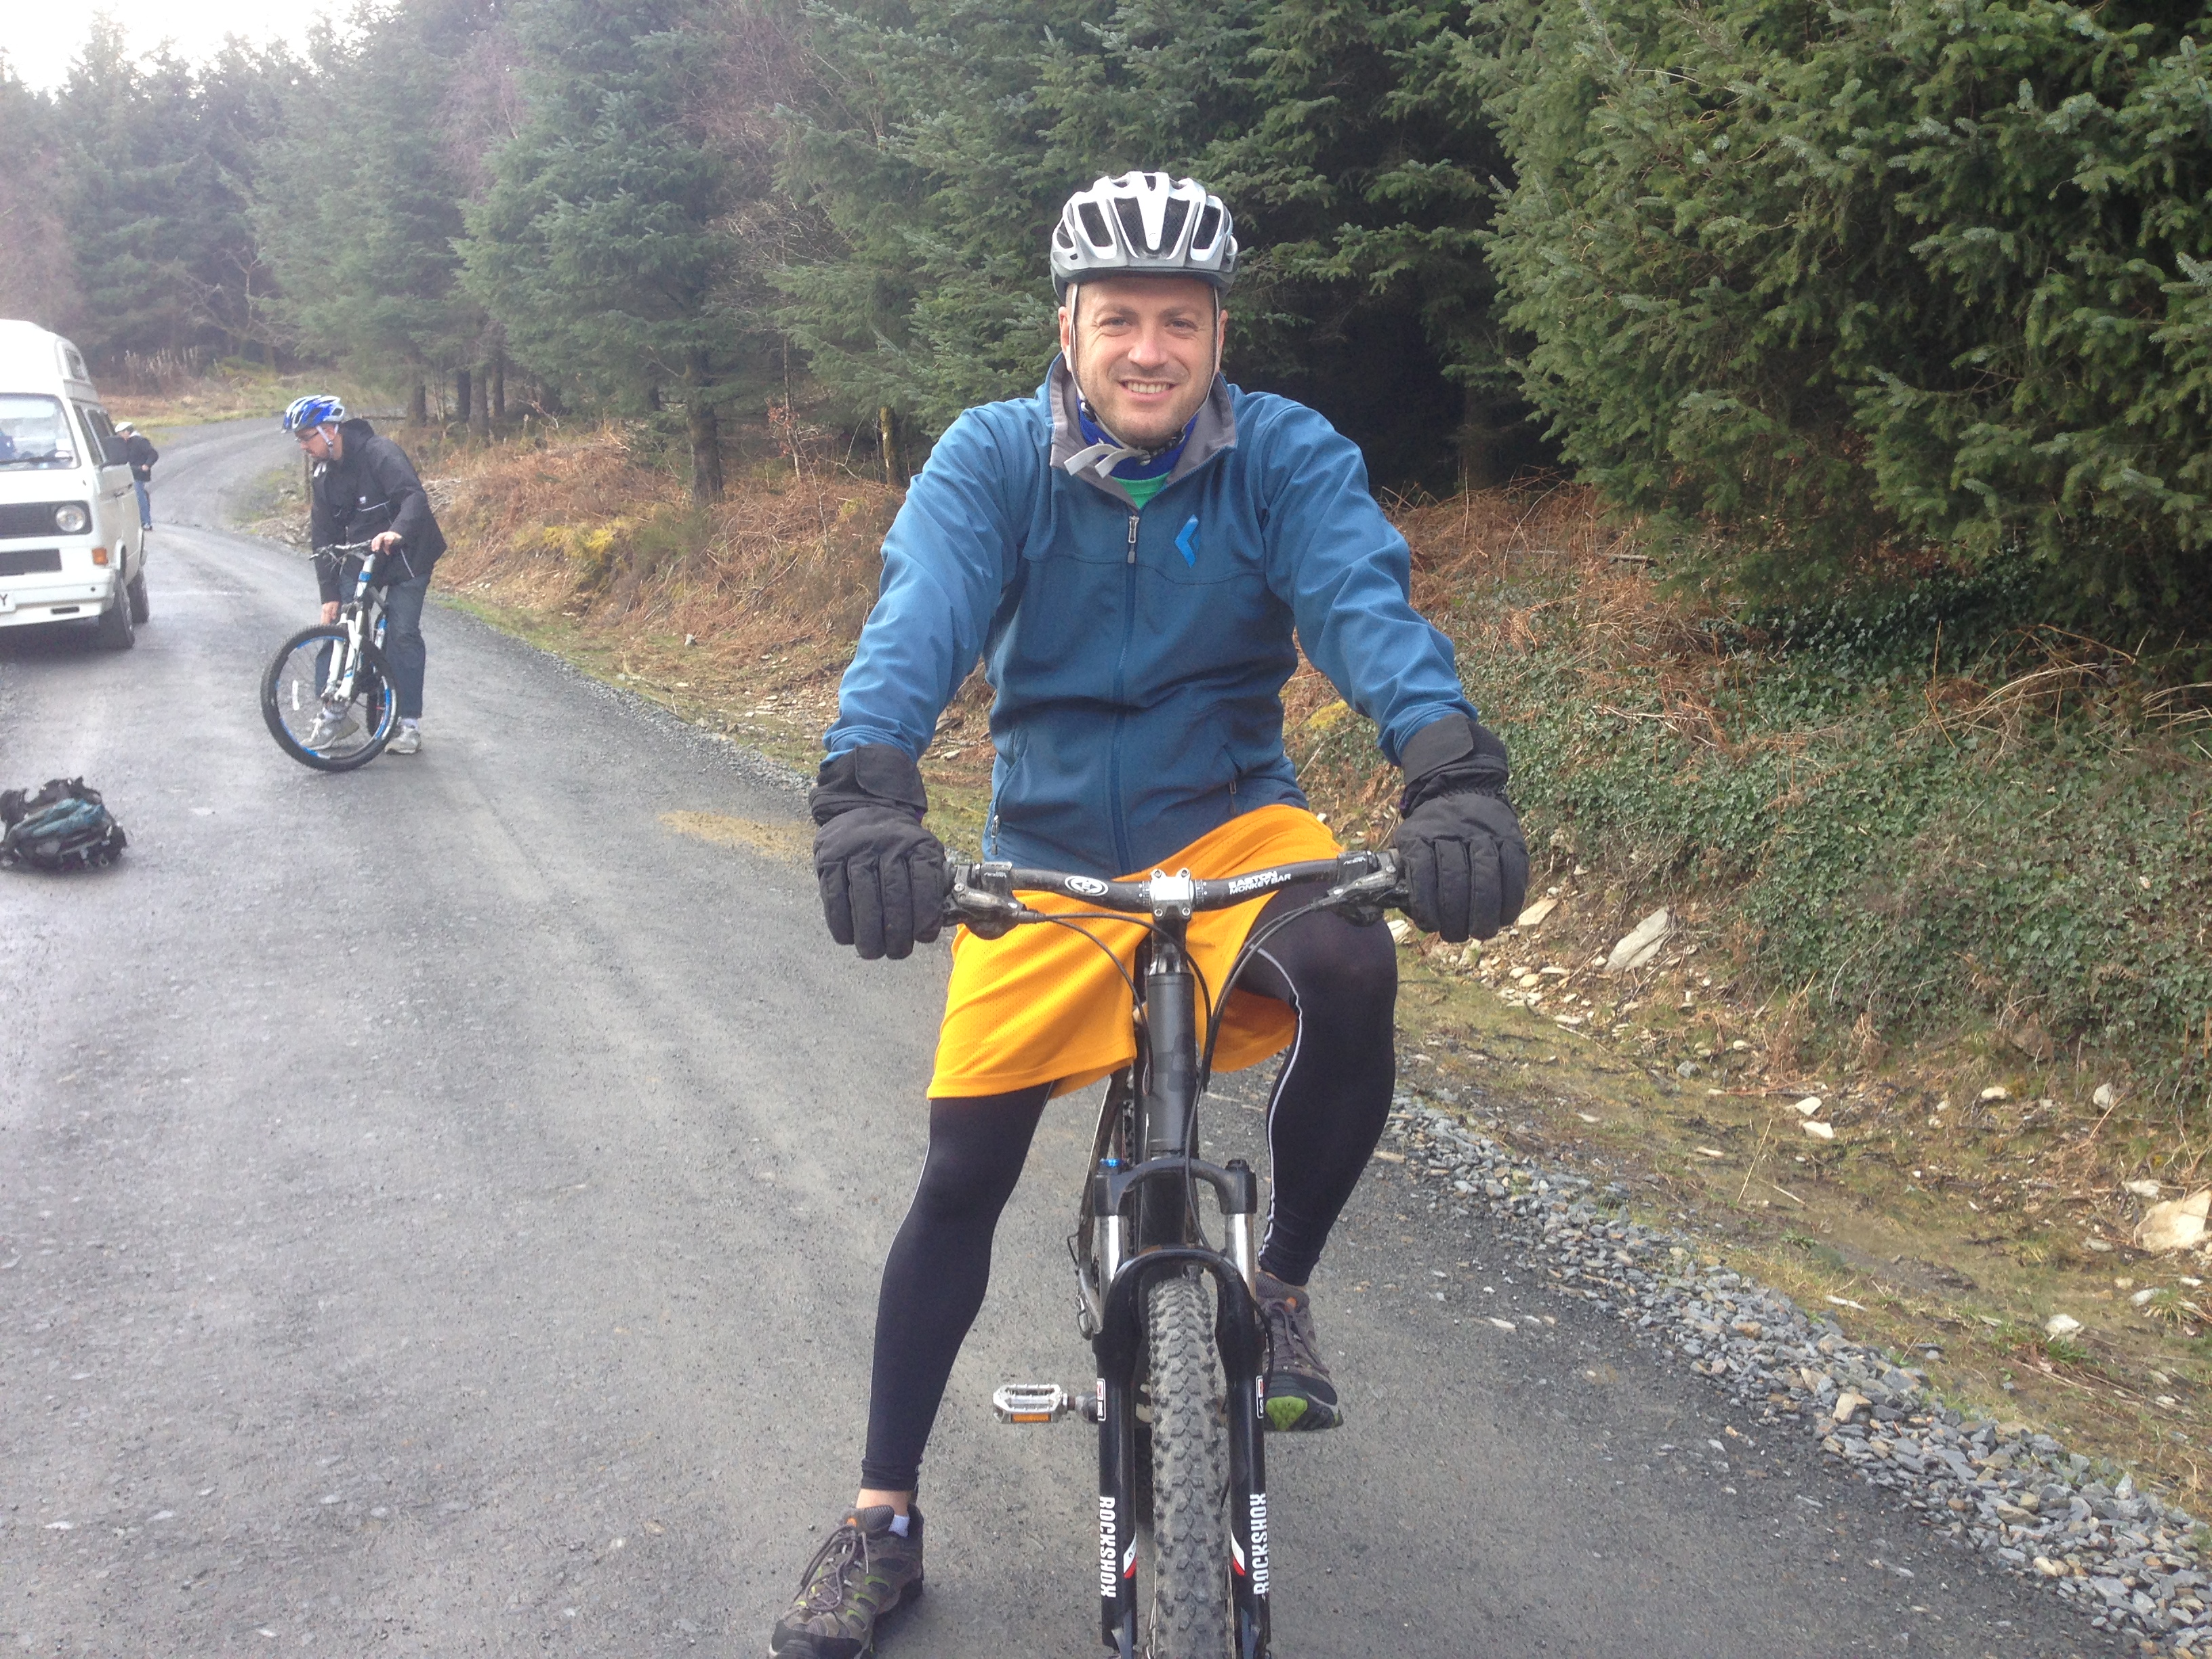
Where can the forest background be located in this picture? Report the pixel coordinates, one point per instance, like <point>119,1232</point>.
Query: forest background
<point>1802,412</point>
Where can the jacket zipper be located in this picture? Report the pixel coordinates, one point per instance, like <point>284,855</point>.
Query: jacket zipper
<point>1120,818</point>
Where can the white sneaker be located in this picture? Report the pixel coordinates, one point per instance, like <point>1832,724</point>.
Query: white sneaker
<point>407,740</point>
<point>329,728</point>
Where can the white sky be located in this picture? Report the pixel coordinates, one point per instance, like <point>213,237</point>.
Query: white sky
<point>39,37</point>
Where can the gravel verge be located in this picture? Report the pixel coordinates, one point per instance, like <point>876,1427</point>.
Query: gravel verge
<point>2129,1563</point>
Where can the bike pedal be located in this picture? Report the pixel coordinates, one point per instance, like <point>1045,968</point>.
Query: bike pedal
<point>1034,1402</point>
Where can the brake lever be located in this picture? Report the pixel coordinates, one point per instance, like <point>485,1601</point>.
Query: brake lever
<point>1364,899</point>
<point>988,910</point>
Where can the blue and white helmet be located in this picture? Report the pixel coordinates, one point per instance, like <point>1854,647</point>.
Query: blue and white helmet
<point>1144,224</point>
<point>312,410</point>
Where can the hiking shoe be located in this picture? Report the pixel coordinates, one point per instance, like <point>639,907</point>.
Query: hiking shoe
<point>1299,1396</point>
<point>329,728</point>
<point>407,740</point>
<point>862,1570</point>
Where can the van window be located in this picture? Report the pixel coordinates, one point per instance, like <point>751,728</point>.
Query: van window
<point>104,443</point>
<point>33,432</point>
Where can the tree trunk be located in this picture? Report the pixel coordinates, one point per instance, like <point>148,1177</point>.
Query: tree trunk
<point>887,434</point>
<point>705,430</point>
<point>480,409</point>
<point>461,388</point>
<point>499,387</point>
<point>418,405</point>
<point>1479,443</point>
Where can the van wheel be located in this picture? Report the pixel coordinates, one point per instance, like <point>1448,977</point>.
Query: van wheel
<point>118,625</point>
<point>140,610</point>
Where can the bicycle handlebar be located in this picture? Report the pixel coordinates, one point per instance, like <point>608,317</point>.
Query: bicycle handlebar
<point>982,894</point>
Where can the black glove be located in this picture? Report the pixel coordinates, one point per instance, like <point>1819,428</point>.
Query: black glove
<point>1467,861</point>
<point>882,874</point>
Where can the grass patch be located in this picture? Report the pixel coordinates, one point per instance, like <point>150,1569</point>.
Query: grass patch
<point>162,394</point>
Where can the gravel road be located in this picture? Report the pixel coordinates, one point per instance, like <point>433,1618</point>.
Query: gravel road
<point>441,1209</point>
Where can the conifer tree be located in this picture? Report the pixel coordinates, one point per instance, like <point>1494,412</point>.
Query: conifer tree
<point>947,135</point>
<point>600,247</point>
<point>36,280</point>
<point>1835,287</point>
<point>158,160</point>
<point>359,201</point>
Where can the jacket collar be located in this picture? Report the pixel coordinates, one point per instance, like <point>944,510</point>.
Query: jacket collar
<point>1213,430</point>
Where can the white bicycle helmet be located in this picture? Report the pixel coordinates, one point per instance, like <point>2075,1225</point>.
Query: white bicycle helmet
<point>1144,224</point>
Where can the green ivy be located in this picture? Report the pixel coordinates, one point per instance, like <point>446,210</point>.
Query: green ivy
<point>1926,874</point>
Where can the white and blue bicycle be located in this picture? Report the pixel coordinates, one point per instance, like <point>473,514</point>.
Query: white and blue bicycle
<point>328,696</point>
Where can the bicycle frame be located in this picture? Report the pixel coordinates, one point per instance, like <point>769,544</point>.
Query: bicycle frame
<point>357,616</point>
<point>1141,1219</point>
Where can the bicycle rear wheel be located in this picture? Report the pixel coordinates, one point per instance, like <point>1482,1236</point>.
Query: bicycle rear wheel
<point>319,730</point>
<point>1192,1607</point>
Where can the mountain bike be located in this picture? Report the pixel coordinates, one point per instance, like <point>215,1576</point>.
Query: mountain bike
<point>328,696</point>
<point>1173,1322</point>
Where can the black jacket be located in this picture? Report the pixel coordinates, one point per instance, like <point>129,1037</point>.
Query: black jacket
<point>372,488</point>
<point>139,451</point>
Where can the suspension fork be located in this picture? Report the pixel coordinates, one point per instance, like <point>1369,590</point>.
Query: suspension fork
<point>1160,1180</point>
<point>1121,1349</point>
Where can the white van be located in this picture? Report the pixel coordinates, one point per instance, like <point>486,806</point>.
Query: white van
<point>69,544</point>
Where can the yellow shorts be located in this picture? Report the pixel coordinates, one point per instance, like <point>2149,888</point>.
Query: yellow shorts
<point>1043,1004</point>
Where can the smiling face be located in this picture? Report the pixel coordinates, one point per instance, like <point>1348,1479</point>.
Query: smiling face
<point>1144,350</point>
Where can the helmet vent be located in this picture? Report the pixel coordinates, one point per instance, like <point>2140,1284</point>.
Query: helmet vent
<point>1132,223</point>
<point>1209,227</point>
<point>1094,227</point>
<point>1171,225</point>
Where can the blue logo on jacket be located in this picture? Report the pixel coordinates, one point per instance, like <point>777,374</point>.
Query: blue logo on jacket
<point>1187,539</point>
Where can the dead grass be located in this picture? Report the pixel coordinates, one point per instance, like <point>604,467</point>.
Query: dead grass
<point>579,528</point>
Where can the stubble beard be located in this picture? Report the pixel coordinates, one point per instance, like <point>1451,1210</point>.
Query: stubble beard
<point>1155,432</point>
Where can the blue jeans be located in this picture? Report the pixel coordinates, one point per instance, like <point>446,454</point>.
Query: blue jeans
<point>145,504</point>
<point>403,642</point>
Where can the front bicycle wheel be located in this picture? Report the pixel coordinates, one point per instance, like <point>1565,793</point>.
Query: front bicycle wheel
<point>1193,1606</point>
<point>315,717</point>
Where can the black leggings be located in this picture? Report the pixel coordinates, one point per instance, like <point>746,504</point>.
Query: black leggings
<point>1327,1110</point>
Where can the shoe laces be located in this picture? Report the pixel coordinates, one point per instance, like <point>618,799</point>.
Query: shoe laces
<point>824,1590</point>
<point>1293,1343</point>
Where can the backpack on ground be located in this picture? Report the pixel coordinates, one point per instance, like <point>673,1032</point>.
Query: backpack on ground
<point>64,826</point>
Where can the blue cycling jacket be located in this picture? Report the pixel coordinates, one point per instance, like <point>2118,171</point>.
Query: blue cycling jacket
<point>1138,657</point>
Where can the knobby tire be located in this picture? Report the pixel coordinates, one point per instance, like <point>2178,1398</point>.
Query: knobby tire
<point>1193,1611</point>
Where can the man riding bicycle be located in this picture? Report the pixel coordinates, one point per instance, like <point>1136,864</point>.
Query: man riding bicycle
<point>364,490</point>
<point>1135,554</point>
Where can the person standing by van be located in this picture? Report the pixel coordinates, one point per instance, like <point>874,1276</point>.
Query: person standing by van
<point>363,489</point>
<point>139,451</point>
